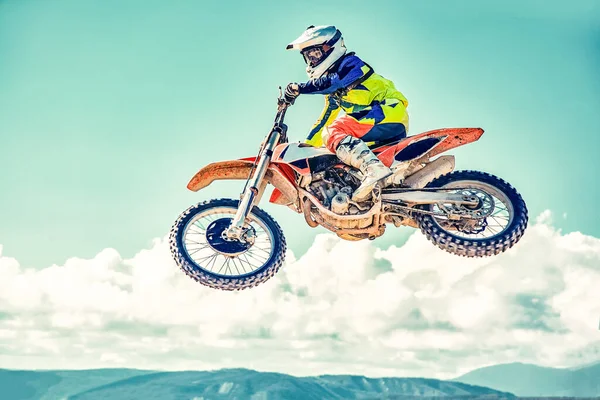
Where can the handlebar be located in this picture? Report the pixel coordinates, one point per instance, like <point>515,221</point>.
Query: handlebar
<point>282,106</point>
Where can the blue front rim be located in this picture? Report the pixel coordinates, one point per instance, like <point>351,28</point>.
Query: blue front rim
<point>203,244</point>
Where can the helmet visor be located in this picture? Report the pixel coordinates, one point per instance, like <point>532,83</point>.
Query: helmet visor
<point>313,56</point>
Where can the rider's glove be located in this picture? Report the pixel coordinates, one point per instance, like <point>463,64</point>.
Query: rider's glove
<point>291,92</point>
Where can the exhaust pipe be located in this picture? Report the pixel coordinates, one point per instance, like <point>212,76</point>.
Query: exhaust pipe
<point>440,166</point>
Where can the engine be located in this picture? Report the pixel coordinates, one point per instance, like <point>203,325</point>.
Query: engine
<point>333,187</point>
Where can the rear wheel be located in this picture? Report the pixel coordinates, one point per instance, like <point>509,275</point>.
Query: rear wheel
<point>199,248</point>
<point>496,224</point>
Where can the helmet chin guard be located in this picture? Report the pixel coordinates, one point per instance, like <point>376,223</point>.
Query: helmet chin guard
<point>321,47</point>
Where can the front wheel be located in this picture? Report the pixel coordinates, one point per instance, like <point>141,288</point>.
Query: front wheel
<point>495,225</point>
<point>200,250</point>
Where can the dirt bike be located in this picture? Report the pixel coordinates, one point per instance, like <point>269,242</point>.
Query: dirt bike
<point>232,244</point>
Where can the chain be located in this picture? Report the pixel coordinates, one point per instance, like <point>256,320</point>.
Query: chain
<point>417,210</point>
<point>433,189</point>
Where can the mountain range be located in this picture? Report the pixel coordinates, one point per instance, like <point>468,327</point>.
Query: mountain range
<point>242,384</point>
<point>526,380</point>
<point>505,381</point>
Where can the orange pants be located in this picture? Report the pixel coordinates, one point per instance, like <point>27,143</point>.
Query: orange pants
<point>366,131</point>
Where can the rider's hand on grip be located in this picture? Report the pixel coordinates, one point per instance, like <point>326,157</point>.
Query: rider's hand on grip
<point>291,92</point>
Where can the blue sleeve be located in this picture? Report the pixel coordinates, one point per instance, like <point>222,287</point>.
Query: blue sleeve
<point>349,71</point>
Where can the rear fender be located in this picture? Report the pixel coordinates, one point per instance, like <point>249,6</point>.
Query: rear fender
<point>449,138</point>
<point>240,169</point>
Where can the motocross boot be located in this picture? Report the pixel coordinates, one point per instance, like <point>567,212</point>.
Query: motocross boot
<point>355,152</point>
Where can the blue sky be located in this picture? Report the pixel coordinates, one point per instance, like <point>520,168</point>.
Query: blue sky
<point>107,108</point>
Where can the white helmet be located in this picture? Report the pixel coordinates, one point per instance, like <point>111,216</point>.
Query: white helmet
<point>321,47</point>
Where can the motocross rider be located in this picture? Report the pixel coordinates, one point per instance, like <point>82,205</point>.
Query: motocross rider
<point>375,111</point>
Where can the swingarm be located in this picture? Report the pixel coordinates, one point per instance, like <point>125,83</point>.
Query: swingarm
<point>433,196</point>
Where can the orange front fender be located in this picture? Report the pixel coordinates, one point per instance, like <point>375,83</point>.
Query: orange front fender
<point>222,170</point>
<point>240,169</point>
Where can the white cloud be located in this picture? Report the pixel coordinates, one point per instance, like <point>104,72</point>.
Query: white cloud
<point>343,307</point>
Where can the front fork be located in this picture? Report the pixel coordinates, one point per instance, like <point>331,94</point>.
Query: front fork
<point>252,194</point>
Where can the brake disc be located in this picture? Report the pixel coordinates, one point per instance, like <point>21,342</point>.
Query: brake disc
<point>218,241</point>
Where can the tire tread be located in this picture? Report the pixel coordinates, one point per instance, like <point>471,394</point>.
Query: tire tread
<point>226,283</point>
<point>481,247</point>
